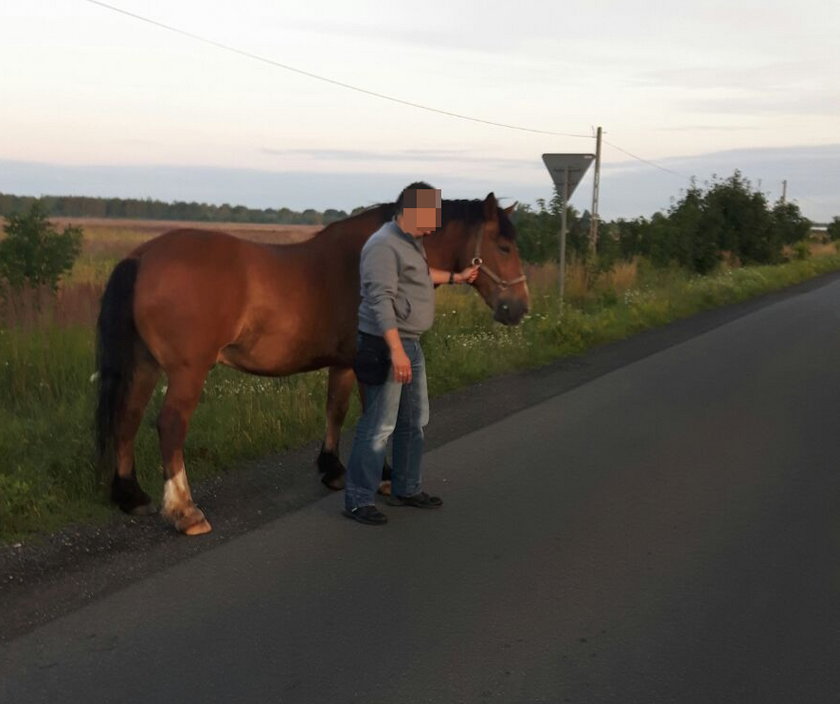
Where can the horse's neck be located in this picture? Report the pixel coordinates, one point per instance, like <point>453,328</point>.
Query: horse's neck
<point>343,237</point>
<point>351,233</point>
<point>444,246</point>
<point>348,236</point>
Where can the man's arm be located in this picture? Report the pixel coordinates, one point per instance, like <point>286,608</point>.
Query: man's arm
<point>467,276</point>
<point>378,271</point>
<point>379,282</point>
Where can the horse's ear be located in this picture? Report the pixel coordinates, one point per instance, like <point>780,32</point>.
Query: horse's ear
<point>491,207</point>
<point>511,208</point>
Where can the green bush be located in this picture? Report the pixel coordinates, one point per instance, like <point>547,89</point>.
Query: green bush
<point>726,217</point>
<point>34,253</point>
<point>833,229</point>
<point>801,251</point>
<point>538,231</point>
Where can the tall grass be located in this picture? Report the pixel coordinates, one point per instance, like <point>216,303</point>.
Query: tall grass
<point>47,402</point>
<point>47,359</point>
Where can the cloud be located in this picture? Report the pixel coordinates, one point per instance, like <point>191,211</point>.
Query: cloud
<point>764,77</point>
<point>407,156</point>
<point>363,155</point>
<point>781,102</point>
<point>628,189</point>
<point>780,87</point>
<point>454,39</point>
<point>250,187</point>
<point>812,173</point>
<point>708,128</point>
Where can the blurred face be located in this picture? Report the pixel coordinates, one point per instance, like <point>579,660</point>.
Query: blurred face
<point>421,217</point>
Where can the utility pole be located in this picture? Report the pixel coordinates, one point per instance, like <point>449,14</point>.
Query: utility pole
<point>593,224</point>
<point>784,191</point>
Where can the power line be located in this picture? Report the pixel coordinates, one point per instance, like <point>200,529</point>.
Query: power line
<point>365,91</point>
<point>271,62</point>
<point>646,161</point>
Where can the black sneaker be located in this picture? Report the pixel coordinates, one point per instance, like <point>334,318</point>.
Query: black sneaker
<point>419,500</point>
<point>368,515</point>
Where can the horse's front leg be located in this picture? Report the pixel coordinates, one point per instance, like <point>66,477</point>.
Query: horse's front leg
<point>339,388</point>
<point>181,399</point>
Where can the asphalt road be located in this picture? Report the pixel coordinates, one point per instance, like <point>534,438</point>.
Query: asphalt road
<point>667,531</point>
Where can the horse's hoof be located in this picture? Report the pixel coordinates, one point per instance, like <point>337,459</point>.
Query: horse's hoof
<point>385,488</point>
<point>193,522</point>
<point>199,528</point>
<point>335,482</point>
<point>144,510</point>
<point>131,499</point>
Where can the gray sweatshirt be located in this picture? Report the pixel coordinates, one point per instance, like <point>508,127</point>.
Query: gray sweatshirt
<point>397,289</point>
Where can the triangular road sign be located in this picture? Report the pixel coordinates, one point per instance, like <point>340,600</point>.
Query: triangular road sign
<point>562,165</point>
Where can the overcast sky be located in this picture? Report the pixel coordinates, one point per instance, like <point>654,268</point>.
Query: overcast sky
<point>675,84</point>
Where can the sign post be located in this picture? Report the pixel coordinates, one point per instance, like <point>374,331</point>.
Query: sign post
<point>567,171</point>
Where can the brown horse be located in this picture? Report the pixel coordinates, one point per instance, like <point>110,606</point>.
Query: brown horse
<point>190,299</point>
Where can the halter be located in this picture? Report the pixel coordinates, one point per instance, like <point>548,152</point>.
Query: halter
<point>479,262</point>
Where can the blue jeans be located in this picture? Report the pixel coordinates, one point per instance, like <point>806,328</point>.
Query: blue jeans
<point>401,410</point>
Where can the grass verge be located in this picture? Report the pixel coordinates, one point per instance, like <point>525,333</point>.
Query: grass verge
<point>46,396</point>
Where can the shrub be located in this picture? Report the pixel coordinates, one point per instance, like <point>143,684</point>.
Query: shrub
<point>34,253</point>
<point>833,228</point>
<point>801,251</point>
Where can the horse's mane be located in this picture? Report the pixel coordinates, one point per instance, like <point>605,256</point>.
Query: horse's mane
<point>472,212</point>
<point>469,211</point>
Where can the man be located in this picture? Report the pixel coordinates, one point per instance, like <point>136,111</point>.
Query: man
<point>397,306</point>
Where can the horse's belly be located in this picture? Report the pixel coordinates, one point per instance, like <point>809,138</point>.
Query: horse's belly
<point>279,358</point>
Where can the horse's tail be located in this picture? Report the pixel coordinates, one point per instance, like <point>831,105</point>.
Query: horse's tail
<point>116,338</point>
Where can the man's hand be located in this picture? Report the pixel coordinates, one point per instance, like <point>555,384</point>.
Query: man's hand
<point>402,366</point>
<point>399,359</point>
<point>442,276</point>
<point>468,275</point>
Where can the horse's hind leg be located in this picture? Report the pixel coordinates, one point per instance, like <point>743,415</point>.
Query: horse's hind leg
<point>125,489</point>
<point>182,397</point>
<point>340,386</point>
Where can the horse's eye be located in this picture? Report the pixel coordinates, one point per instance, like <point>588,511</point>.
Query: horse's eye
<point>505,248</point>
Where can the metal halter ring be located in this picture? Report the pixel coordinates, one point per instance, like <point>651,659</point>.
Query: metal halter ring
<point>477,261</point>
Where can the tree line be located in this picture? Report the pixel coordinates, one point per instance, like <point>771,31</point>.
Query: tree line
<point>148,209</point>
<point>723,218</point>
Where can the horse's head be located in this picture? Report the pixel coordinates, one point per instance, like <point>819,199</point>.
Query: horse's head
<point>490,239</point>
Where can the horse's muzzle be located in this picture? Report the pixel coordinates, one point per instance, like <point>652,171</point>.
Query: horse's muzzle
<point>510,311</point>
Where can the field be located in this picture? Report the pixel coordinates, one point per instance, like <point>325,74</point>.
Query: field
<point>46,362</point>
<point>107,241</point>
